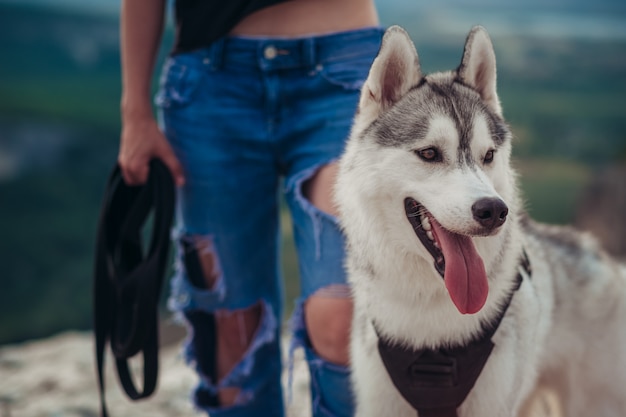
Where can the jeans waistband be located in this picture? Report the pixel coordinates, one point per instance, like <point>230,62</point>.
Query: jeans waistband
<point>272,53</point>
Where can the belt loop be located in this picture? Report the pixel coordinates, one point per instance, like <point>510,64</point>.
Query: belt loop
<point>215,55</point>
<point>309,50</point>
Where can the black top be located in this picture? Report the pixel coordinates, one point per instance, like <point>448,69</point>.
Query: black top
<point>200,22</point>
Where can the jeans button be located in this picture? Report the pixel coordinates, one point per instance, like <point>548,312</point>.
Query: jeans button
<point>270,52</point>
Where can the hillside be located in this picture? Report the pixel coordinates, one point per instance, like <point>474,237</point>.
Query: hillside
<point>58,372</point>
<point>55,377</point>
<point>59,127</point>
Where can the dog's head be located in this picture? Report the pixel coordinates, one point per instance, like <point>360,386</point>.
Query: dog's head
<point>433,150</point>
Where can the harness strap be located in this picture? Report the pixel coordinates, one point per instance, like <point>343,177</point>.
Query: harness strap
<point>436,381</point>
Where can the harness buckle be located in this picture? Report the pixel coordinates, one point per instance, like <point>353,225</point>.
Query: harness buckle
<point>433,369</point>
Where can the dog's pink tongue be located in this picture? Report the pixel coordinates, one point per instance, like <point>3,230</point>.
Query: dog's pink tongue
<point>465,276</point>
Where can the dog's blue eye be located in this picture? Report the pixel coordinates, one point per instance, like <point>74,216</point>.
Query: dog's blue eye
<point>488,156</point>
<point>429,154</point>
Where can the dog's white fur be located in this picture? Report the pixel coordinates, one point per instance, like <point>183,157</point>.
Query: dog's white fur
<point>565,327</point>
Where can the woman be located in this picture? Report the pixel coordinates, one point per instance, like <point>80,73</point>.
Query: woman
<point>254,93</point>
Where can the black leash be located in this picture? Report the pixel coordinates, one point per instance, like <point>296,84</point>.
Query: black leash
<point>436,382</point>
<point>128,279</point>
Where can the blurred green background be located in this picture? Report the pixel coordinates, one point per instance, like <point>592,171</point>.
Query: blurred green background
<point>562,82</point>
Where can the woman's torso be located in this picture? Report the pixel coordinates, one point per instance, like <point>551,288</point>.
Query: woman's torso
<point>308,17</point>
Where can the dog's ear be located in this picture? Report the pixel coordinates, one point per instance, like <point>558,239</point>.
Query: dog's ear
<point>394,72</point>
<point>478,67</point>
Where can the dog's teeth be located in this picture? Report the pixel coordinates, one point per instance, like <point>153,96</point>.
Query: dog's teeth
<point>430,235</point>
<point>426,223</point>
<point>435,244</point>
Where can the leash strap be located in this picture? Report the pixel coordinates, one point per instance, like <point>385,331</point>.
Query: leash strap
<point>127,283</point>
<point>436,381</point>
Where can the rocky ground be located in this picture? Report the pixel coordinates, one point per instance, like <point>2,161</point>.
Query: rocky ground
<point>56,377</point>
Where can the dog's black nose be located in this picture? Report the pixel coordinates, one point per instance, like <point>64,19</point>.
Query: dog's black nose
<point>490,212</point>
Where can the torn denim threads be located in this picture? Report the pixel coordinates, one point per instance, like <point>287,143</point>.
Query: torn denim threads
<point>243,120</point>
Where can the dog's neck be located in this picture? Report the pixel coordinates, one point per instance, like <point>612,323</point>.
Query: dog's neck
<point>437,381</point>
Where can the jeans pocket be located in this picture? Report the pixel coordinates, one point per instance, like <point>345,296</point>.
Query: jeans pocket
<point>179,81</point>
<point>350,74</point>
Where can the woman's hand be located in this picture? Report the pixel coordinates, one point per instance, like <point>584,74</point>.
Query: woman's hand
<point>142,140</point>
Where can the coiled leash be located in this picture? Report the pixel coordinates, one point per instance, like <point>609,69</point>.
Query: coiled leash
<point>127,279</point>
<point>436,382</point>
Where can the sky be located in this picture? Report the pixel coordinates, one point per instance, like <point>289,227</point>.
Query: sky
<point>600,19</point>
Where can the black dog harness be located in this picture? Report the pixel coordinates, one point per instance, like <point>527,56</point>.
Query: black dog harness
<point>436,382</point>
<point>127,279</point>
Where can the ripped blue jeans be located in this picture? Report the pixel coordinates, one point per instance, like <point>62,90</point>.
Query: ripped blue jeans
<point>250,118</point>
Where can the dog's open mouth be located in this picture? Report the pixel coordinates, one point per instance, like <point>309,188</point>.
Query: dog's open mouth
<point>455,258</point>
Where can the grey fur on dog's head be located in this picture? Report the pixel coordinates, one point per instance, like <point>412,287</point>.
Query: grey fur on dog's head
<point>403,110</point>
<point>396,91</point>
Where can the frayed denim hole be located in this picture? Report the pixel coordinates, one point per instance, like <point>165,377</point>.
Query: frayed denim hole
<point>318,217</point>
<point>240,374</point>
<point>264,335</point>
<point>202,262</point>
<point>316,365</point>
<point>201,354</point>
<point>197,264</point>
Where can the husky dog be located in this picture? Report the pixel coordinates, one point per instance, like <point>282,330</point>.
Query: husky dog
<point>436,233</point>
